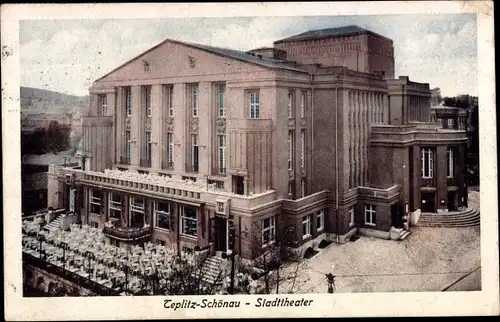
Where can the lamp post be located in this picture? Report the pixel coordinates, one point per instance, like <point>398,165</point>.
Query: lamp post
<point>126,278</point>
<point>90,256</point>
<point>232,255</point>
<point>40,240</point>
<point>64,247</point>
<point>331,282</point>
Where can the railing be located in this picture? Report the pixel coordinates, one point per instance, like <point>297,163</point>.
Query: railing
<point>79,280</point>
<point>127,233</point>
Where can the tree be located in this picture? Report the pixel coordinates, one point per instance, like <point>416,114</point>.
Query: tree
<point>278,261</point>
<point>436,97</point>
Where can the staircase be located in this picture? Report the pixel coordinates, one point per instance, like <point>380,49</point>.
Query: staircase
<point>54,224</point>
<point>467,218</point>
<point>400,233</point>
<point>213,270</point>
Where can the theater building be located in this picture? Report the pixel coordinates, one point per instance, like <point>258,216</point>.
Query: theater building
<point>186,144</point>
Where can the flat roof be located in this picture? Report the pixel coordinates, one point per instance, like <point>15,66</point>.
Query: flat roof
<point>331,32</point>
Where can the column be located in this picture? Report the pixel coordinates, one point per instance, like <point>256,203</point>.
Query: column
<point>136,126</point>
<point>373,107</point>
<point>119,125</point>
<point>440,177</point>
<point>385,109</point>
<point>363,135</point>
<point>93,104</point>
<point>205,132</point>
<point>180,126</point>
<point>157,125</point>
<point>354,138</point>
<point>381,107</point>
<point>358,137</point>
<point>350,138</point>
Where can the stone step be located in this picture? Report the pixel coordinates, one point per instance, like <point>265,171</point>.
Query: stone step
<point>405,235</point>
<point>451,219</point>
<point>461,224</point>
<point>462,215</point>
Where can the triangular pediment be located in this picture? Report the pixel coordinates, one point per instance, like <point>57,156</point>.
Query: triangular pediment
<point>176,59</point>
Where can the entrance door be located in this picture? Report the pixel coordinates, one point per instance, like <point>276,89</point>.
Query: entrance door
<point>428,204</point>
<point>220,234</point>
<point>451,201</point>
<point>397,220</point>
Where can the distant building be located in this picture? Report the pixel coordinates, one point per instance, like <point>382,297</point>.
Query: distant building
<point>34,182</point>
<point>313,136</point>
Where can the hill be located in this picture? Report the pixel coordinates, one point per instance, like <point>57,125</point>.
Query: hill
<point>35,100</point>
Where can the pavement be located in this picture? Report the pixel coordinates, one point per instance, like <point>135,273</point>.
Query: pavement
<point>430,259</point>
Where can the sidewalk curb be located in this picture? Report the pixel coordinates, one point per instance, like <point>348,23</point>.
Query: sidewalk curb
<point>459,279</point>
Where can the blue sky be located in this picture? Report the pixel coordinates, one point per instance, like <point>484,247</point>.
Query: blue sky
<point>67,55</point>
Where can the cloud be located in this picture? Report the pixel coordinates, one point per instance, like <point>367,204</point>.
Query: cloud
<point>68,56</point>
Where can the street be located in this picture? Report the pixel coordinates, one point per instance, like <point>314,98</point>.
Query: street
<point>430,259</point>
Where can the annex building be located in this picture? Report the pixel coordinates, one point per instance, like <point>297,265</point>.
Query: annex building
<point>189,145</point>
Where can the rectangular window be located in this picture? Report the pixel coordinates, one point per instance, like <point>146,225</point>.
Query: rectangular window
<point>147,100</point>
<point>195,152</point>
<point>94,224</point>
<point>95,201</point>
<point>137,205</point>
<point>370,215</point>
<point>169,91</point>
<point>254,105</point>
<point>221,139</point>
<point>103,104</point>
<point>449,155</point>
<point>115,205</point>
<point>128,147</point>
<point>136,211</point>
<point>290,188</point>
<point>220,207</point>
<point>148,148</point>
<point>427,163</point>
<point>303,188</point>
<point>189,221</point>
<point>303,104</point>
<point>162,214</point>
<point>290,150</point>
<point>170,150</point>
<point>128,101</point>
<point>290,105</point>
<point>451,123</point>
<point>268,231</point>
<point>306,226</point>
<point>351,216</point>
<point>320,220</point>
<point>221,89</point>
<point>302,148</point>
<point>193,93</point>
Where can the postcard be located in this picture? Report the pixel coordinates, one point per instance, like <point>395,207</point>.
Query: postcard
<point>249,160</point>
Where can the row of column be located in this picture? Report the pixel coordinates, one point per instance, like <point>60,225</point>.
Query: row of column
<point>418,108</point>
<point>363,109</point>
<point>159,127</point>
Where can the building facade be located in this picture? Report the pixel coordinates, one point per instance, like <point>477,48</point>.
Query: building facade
<point>190,145</point>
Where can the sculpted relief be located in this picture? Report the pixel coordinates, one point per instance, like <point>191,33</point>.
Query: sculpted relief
<point>221,126</point>
<point>169,124</point>
<point>194,125</point>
